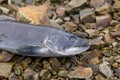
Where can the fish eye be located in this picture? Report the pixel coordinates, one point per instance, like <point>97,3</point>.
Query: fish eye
<point>72,38</point>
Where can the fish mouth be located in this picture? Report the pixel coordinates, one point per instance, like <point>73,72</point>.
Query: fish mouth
<point>72,51</point>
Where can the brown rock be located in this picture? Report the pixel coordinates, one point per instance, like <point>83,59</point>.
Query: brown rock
<point>92,32</point>
<point>115,34</point>
<point>87,15</point>
<point>75,4</point>
<point>5,56</point>
<point>43,72</point>
<point>90,55</point>
<point>96,42</point>
<point>81,73</point>
<point>62,73</point>
<point>103,20</point>
<point>5,69</point>
<point>55,64</point>
<point>30,75</point>
<point>104,9</point>
<point>60,11</point>
<point>70,26</point>
<point>80,34</point>
<point>95,60</point>
<point>91,25</point>
<point>116,5</point>
<point>107,37</point>
<point>97,3</point>
<point>34,14</point>
<point>13,77</point>
<point>99,77</point>
<point>115,65</point>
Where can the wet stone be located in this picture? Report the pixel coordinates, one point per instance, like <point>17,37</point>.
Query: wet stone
<point>105,70</point>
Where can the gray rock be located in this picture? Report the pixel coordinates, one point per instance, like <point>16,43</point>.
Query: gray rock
<point>105,70</point>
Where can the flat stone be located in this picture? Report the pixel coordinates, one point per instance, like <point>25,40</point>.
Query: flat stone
<point>96,42</point>
<point>34,14</point>
<point>81,73</point>
<point>103,20</point>
<point>92,32</point>
<point>70,26</point>
<point>62,73</point>
<point>117,71</point>
<point>105,70</point>
<point>30,75</point>
<point>116,5</point>
<point>115,34</point>
<point>97,3</point>
<point>87,15</point>
<point>5,69</point>
<point>5,56</point>
<point>55,64</point>
<point>60,10</point>
<point>104,9</point>
<point>75,4</point>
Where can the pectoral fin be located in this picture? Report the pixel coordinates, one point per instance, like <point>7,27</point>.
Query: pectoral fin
<point>32,50</point>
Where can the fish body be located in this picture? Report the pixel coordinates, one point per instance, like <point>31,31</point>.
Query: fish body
<point>32,40</point>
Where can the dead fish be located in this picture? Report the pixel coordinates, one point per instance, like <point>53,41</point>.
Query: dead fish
<point>32,40</point>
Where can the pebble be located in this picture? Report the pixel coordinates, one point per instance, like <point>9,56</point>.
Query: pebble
<point>75,4</point>
<point>55,64</point>
<point>60,10</point>
<point>104,9</point>
<point>92,32</point>
<point>5,56</point>
<point>96,42</point>
<point>116,5</point>
<point>105,70</point>
<point>87,15</point>
<point>4,10</point>
<point>103,20</point>
<point>62,73</point>
<point>30,75</point>
<point>70,26</point>
<point>117,71</point>
<point>97,3</point>
<point>34,14</point>
<point>5,69</point>
<point>81,73</point>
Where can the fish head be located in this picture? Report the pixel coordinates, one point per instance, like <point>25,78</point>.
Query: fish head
<point>66,44</point>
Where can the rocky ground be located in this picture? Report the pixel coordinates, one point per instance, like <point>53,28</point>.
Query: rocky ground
<point>95,20</point>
